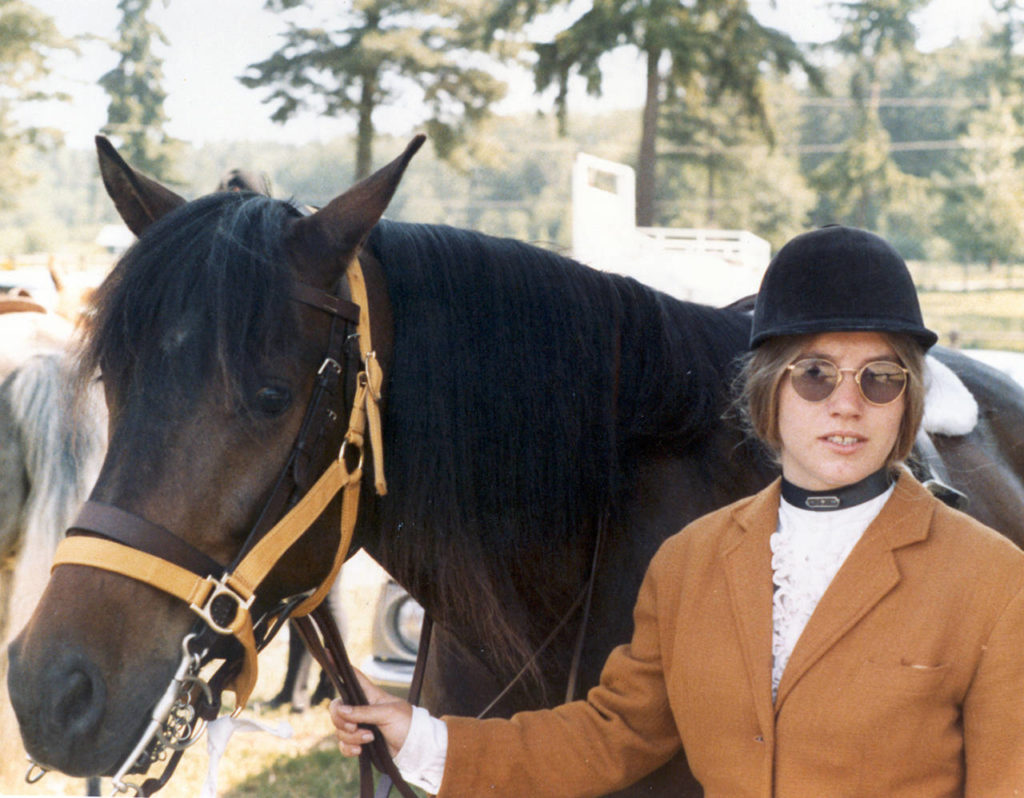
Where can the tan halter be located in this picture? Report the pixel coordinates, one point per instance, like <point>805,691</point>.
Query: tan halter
<point>224,603</point>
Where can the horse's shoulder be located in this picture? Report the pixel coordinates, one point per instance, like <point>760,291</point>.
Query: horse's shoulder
<point>968,538</point>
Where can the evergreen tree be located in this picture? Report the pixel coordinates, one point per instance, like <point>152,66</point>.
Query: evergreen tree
<point>983,214</point>
<point>862,182</point>
<point>135,115</point>
<point>419,55</point>
<point>27,38</point>
<point>748,183</point>
<point>695,48</point>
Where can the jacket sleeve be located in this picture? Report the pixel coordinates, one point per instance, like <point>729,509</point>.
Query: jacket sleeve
<point>622,731</point>
<point>993,711</point>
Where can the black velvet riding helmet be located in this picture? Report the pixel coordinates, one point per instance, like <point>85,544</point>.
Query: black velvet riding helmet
<point>837,279</point>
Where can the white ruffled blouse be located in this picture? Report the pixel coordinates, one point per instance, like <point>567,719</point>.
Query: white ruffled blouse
<point>808,549</point>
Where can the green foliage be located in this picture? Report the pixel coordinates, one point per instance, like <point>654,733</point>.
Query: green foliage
<point>984,199</point>
<point>381,53</point>
<point>322,772</point>
<point>725,174</point>
<point>27,39</point>
<point>522,191</point>
<point>873,29</point>
<point>135,115</point>
<point>694,53</point>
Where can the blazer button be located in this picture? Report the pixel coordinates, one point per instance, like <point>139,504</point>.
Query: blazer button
<point>759,739</point>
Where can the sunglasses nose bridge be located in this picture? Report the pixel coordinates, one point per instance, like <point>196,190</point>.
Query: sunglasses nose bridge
<point>857,391</point>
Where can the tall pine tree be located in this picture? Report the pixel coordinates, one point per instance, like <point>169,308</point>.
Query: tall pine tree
<point>709,48</point>
<point>135,115</point>
<point>361,57</point>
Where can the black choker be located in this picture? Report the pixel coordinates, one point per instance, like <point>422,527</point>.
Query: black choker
<point>867,489</point>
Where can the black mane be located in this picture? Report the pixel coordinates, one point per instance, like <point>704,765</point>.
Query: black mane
<point>523,385</point>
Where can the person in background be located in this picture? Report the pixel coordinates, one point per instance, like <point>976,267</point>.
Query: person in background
<point>842,632</point>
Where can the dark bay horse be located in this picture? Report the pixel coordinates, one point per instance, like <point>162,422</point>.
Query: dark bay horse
<point>533,408</point>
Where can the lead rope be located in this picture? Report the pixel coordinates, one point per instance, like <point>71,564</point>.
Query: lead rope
<point>320,633</point>
<point>415,688</point>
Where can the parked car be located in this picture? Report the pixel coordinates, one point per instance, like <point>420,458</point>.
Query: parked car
<point>394,639</point>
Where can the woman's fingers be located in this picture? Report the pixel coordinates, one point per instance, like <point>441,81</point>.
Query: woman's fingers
<point>374,694</point>
<point>389,714</point>
<point>351,738</point>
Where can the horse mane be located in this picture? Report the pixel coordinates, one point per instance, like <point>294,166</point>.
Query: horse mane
<point>60,446</point>
<point>523,386</point>
<point>201,296</point>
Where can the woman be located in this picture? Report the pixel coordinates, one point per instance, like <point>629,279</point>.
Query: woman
<point>842,632</point>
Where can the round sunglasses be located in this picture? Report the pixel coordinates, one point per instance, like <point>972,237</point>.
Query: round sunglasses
<point>815,379</point>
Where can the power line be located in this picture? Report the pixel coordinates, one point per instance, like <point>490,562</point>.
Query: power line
<point>965,143</point>
<point>901,102</point>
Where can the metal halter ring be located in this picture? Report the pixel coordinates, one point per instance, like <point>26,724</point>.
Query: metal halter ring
<point>32,776</point>
<point>341,454</point>
<point>217,603</point>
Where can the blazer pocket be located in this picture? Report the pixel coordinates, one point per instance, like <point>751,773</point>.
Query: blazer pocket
<point>901,678</point>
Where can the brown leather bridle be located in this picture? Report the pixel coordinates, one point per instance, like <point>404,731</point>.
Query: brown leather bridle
<point>113,539</point>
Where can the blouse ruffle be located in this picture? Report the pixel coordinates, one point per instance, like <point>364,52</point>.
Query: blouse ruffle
<point>808,548</point>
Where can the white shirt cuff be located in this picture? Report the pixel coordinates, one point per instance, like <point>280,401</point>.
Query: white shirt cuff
<point>422,757</point>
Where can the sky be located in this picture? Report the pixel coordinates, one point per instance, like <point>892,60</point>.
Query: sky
<point>212,41</point>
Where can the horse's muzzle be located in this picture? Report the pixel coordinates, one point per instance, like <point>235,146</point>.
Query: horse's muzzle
<point>60,707</point>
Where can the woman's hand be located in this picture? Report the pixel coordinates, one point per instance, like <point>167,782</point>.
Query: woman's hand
<point>389,714</point>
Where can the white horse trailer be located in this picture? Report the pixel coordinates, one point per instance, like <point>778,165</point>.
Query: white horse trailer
<point>714,267</point>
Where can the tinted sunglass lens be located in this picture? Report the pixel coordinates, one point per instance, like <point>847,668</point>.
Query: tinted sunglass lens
<point>882,382</point>
<point>814,380</point>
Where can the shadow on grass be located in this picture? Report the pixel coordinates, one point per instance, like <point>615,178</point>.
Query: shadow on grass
<point>319,774</point>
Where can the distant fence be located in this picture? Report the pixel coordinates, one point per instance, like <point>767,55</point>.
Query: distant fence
<point>44,260</point>
<point>967,277</point>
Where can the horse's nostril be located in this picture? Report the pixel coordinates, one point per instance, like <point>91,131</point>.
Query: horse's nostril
<point>77,697</point>
<point>78,701</point>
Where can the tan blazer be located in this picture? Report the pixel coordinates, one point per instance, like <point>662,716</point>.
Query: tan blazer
<point>907,681</point>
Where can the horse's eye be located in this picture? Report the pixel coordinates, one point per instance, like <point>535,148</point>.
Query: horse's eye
<point>272,400</point>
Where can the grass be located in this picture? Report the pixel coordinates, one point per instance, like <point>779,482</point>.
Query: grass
<point>974,307</point>
<point>977,319</point>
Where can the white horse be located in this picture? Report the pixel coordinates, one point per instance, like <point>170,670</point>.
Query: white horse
<point>51,448</point>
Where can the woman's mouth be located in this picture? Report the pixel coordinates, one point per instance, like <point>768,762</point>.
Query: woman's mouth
<point>843,440</point>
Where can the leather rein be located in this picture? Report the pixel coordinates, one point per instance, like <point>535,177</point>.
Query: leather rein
<point>224,599</point>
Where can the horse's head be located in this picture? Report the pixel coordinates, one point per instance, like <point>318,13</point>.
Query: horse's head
<point>210,337</point>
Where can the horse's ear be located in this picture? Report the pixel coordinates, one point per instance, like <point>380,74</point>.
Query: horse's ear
<point>334,234</point>
<point>139,200</point>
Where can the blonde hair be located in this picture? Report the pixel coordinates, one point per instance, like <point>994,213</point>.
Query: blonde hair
<point>763,370</point>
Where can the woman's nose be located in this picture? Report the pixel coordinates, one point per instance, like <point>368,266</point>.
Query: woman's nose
<point>846,398</point>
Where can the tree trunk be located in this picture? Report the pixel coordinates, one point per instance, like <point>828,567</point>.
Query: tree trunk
<point>364,130</point>
<point>647,160</point>
<point>709,214</point>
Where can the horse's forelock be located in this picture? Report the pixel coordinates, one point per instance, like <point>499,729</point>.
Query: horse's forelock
<point>201,296</point>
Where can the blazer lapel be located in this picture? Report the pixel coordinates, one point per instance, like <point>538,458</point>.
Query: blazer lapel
<point>868,574</point>
<point>747,564</point>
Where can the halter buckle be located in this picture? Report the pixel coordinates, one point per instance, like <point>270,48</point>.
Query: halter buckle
<point>329,364</point>
<point>223,606</point>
